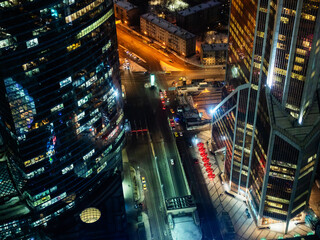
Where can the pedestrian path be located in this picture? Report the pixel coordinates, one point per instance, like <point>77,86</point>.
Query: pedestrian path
<point>132,197</point>
<point>244,227</point>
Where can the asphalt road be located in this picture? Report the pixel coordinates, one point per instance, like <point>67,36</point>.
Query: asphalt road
<point>152,58</point>
<point>144,111</point>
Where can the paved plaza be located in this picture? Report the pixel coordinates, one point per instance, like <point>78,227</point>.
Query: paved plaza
<point>244,227</point>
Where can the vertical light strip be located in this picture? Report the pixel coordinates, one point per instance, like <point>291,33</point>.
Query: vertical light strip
<point>274,44</point>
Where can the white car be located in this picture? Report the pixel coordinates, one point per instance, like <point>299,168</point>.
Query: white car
<point>171,161</point>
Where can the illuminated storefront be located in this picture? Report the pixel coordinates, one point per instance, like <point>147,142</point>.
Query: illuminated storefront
<point>61,115</point>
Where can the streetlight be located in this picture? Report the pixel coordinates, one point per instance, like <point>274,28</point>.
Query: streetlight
<point>152,80</point>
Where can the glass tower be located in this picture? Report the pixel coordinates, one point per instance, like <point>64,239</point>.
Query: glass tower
<point>269,123</point>
<point>61,118</point>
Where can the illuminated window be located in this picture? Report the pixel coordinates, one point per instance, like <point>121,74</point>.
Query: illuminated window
<point>297,68</point>
<point>308,17</point>
<point>301,51</point>
<point>260,34</point>
<point>299,60</point>
<point>67,169</point>
<point>297,76</point>
<point>281,46</point>
<point>57,108</point>
<point>65,82</point>
<point>288,11</point>
<point>285,20</point>
<point>73,46</point>
<point>270,209</point>
<point>82,11</point>
<point>32,43</point>
<point>95,25</point>
<point>301,205</point>
<point>282,37</point>
<point>263,9</point>
<point>106,47</point>
<point>280,71</point>
<point>272,204</point>
<point>306,44</point>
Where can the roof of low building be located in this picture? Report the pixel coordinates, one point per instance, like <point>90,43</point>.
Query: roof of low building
<point>125,5</point>
<point>199,7</point>
<point>182,33</point>
<point>214,47</point>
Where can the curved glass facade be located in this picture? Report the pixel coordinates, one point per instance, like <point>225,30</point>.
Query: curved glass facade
<point>61,108</point>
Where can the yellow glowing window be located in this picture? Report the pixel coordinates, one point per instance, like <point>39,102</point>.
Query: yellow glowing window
<point>95,25</point>
<point>260,34</point>
<point>297,68</point>
<point>83,11</point>
<point>278,78</point>
<point>289,11</point>
<point>297,76</point>
<point>299,60</point>
<point>306,44</point>
<point>269,209</point>
<point>308,17</point>
<point>280,71</point>
<point>282,37</point>
<point>285,20</point>
<point>73,46</point>
<point>263,10</point>
<point>281,46</point>
<point>301,51</point>
<point>273,204</point>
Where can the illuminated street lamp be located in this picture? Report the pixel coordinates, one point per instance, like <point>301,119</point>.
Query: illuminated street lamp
<point>152,80</point>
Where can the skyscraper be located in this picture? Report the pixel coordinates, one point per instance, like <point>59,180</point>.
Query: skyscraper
<point>61,112</point>
<point>269,124</point>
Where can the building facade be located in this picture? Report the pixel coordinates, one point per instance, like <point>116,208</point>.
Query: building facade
<point>126,12</point>
<point>169,35</point>
<point>213,54</point>
<point>60,111</point>
<point>269,123</point>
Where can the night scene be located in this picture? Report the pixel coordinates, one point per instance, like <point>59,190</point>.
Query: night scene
<point>159,119</point>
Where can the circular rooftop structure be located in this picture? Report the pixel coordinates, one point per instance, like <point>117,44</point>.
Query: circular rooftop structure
<point>90,215</point>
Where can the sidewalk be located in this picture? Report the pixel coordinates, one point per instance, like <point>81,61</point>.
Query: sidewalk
<point>133,195</point>
<point>244,227</point>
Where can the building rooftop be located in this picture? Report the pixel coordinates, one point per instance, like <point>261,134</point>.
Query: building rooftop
<point>214,47</point>
<point>160,22</point>
<point>125,5</point>
<point>198,8</point>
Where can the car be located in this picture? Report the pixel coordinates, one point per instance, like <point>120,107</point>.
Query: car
<point>171,110</point>
<point>176,134</point>
<point>143,179</point>
<point>172,161</point>
<point>172,124</point>
<point>181,134</point>
<point>144,186</point>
